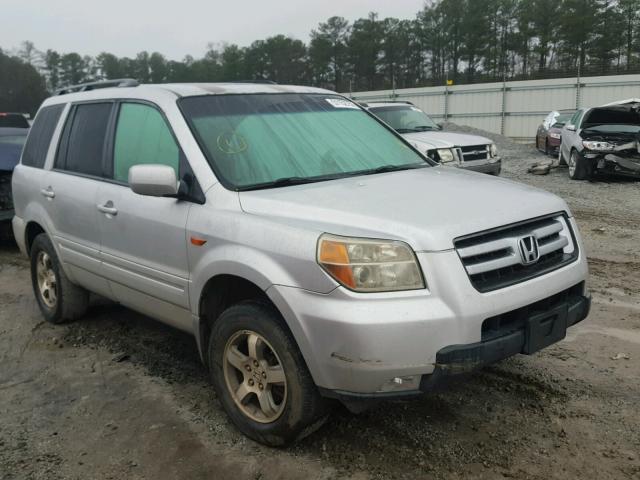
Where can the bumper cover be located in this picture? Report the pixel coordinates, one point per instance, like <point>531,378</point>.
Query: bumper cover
<point>538,330</point>
<point>619,165</point>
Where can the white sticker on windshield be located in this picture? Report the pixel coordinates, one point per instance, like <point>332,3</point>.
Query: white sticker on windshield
<point>416,109</point>
<point>341,103</point>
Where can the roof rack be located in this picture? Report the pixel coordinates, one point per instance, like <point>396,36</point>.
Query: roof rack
<point>83,87</point>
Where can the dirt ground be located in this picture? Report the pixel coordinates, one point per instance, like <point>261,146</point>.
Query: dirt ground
<point>117,395</point>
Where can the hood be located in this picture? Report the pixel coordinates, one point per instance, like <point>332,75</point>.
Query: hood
<point>426,208</point>
<point>628,101</point>
<point>440,139</point>
<point>623,112</point>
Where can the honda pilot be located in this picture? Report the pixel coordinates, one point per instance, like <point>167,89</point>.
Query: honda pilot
<point>313,253</point>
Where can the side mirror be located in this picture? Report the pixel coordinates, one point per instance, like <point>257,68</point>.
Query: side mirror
<point>153,180</point>
<point>570,127</point>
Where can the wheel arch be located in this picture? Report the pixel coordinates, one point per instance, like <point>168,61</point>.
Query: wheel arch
<point>218,293</point>
<point>31,231</point>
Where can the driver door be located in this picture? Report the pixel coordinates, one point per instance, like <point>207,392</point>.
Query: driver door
<point>144,248</point>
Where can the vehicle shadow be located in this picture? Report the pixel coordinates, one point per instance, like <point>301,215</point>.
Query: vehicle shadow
<point>476,420</point>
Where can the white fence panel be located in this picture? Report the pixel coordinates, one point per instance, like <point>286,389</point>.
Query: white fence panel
<point>514,109</point>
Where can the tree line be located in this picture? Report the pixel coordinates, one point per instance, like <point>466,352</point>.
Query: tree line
<point>463,41</point>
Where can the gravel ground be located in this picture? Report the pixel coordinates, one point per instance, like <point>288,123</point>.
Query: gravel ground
<point>117,395</point>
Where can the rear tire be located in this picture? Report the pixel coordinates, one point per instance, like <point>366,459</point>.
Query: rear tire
<point>579,167</point>
<point>59,299</point>
<point>266,389</point>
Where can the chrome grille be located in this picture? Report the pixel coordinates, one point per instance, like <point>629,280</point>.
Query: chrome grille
<point>493,258</point>
<point>474,152</point>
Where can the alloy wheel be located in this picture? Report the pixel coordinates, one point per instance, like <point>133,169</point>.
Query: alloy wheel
<point>254,376</point>
<point>572,164</point>
<point>47,281</point>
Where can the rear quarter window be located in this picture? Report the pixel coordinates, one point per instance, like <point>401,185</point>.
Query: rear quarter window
<point>37,145</point>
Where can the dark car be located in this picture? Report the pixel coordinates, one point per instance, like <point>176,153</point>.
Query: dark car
<point>11,143</point>
<point>603,139</point>
<point>549,132</point>
<point>13,120</point>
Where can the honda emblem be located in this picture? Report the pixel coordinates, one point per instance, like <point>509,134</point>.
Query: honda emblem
<point>529,252</point>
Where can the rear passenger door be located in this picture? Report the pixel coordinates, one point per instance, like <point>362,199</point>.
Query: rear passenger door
<point>71,192</point>
<point>144,245</point>
<point>30,177</point>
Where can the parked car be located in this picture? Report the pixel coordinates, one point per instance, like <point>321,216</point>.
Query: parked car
<point>11,143</point>
<point>550,131</point>
<point>13,120</point>
<point>470,152</point>
<point>312,252</point>
<point>603,139</point>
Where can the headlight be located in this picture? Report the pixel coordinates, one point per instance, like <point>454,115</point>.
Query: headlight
<point>493,150</point>
<point>600,146</point>
<point>366,265</point>
<point>446,155</point>
<point>555,135</point>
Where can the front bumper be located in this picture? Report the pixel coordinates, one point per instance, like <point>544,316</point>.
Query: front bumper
<point>615,164</point>
<point>536,330</point>
<point>492,168</point>
<point>369,344</point>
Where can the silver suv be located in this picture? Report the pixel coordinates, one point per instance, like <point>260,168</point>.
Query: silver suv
<point>454,149</point>
<point>312,252</point>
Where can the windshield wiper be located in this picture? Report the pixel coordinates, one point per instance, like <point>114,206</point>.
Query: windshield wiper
<point>394,168</point>
<point>290,181</point>
<point>419,128</point>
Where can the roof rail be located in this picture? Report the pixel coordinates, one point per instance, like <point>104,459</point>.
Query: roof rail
<point>259,80</point>
<point>402,102</point>
<point>83,87</point>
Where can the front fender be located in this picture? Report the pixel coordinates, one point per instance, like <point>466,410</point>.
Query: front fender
<point>256,266</point>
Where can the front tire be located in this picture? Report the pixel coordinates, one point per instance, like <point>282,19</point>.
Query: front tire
<point>260,376</point>
<point>579,167</point>
<point>561,159</point>
<point>57,297</point>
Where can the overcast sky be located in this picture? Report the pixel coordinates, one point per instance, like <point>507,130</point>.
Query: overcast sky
<point>175,28</point>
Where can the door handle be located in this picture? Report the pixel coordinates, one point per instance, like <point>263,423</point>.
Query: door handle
<point>48,192</point>
<point>108,208</point>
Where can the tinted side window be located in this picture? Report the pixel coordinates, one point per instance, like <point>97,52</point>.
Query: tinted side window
<point>35,150</point>
<point>142,137</point>
<point>84,138</point>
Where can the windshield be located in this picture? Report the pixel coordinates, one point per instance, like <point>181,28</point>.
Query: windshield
<point>270,140</point>
<point>405,118</point>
